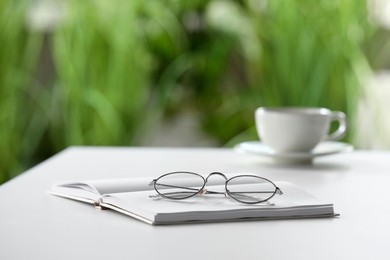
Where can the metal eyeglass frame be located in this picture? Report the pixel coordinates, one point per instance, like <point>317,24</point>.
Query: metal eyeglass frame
<point>202,189</point>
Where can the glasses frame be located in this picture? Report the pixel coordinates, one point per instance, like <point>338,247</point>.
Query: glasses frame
<point>202,190</point>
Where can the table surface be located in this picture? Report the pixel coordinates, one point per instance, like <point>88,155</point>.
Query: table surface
<point>36,225</point>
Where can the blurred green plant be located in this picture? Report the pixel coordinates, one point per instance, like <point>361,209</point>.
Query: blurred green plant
<point>120,66</point>
<point>20,128</point>
<point>309,54</point>
<point>110,83</point>
<point>116,66</point>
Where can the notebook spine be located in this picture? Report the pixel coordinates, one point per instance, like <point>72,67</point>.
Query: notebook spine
<point>98,204</point>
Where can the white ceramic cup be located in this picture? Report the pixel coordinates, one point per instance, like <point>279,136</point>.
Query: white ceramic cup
<point>290,129</point>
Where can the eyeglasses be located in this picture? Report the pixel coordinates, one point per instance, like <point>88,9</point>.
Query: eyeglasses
<point>182,185</point>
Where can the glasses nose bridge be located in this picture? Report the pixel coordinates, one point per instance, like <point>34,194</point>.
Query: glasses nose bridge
<point>216,173</point>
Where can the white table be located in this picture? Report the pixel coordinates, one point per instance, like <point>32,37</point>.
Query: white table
<point>36,225</point>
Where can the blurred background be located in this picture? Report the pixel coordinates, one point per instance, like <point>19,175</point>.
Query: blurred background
<point>184,73</point>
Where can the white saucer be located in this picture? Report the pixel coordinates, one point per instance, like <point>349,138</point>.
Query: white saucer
<point>322,149</point>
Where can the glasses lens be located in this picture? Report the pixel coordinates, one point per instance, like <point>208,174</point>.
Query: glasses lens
<point>255,189</point>
<point>179,185</point>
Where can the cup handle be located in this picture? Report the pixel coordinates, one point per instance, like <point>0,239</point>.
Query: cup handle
<point>342,129</point>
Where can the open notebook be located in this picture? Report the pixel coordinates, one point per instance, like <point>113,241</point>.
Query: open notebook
<point>132,197</point>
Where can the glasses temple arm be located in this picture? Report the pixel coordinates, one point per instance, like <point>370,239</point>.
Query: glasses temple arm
<point>279,191</point>
<point>174,186</point>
